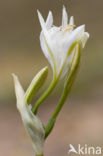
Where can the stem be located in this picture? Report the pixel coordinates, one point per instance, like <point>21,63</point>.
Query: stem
<point>43,97</point>
<point>58,108</point>
<point>52,120</point>
<point>39,155</point>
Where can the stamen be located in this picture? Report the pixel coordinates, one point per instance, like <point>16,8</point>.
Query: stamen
<point>71,26</point>
<point>67,28</point>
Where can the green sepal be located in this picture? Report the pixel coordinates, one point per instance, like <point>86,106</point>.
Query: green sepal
<point>36,83</point>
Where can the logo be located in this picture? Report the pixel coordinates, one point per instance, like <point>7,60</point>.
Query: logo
<point>82,150</point>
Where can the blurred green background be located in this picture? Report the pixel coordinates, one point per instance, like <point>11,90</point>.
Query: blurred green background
<point>81,120</point>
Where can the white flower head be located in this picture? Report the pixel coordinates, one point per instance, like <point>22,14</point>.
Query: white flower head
<point>57,41</point>
<point>32,124</point>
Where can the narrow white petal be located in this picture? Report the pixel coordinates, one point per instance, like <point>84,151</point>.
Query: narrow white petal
<point>71,22</point>
<point>49,21</point>
<point>84,38</point>
<point>45,49</point>
<point>64,17</point>
<point>43,26</point>
<point>42,22</point>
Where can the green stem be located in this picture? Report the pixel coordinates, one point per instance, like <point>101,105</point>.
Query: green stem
<point>43,97</point>
<point>58,108</point>
<point>52,120</point>
<point>39,155</point>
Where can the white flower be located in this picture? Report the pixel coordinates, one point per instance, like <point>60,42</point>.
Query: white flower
<point>32,124</point>
<point>56,42</point>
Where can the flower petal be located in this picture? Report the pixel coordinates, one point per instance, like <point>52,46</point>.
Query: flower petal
<point>42,22</point>
<point>75,36</point>
<point>64,17</point>
<point>71,21</point>
<point>78,32</point>
<point>84,38</point>
<point>44,36</point>
<point>45,49</point>
<point>49,20</point>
